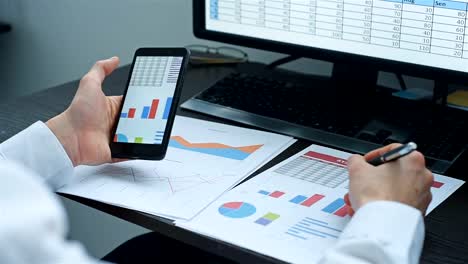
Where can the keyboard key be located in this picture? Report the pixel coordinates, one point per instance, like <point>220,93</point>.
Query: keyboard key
<point>443,137</point>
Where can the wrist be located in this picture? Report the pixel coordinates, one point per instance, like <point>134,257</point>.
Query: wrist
<point>60,126</point>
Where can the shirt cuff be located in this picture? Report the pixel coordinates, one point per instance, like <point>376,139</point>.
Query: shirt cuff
<point>38,149</point>
<point>398,228</point>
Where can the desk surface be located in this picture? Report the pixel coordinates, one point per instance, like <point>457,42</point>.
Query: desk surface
<point>446,227</point>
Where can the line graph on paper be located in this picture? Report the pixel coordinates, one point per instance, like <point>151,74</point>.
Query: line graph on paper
<point>204,161</point>
<point>166,188</point>
<point>153,180</point>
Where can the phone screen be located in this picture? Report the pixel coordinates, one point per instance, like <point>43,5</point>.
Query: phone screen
<point>148,100</point>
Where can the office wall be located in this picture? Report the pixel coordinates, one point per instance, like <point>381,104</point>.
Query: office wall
<point>55,41</point>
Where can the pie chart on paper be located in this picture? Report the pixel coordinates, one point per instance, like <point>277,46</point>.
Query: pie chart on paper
<point>237,209</point>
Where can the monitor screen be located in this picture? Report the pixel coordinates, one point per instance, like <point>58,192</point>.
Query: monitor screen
<point>422,32</point>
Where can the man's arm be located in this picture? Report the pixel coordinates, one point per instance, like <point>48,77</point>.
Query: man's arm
<point>78,136</point>
<point>33,225</point>
<point>37,149</point>
<point>390,201</point>
<point>380,232</point>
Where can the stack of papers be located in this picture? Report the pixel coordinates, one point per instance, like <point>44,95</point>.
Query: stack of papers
<point>293,211</point>
<point>203,161</point>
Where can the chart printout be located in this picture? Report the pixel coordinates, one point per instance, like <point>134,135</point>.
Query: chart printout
<point>204,159</point>
<point>293,211</point>
<point>424,32</point>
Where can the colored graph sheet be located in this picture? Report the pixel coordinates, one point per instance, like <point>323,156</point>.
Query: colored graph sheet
<point>187,180</point>
<point>216,149</point>
<point>316,168</point>
<point>295,221</point>
<point>237,210</point>
<point>149,71</point>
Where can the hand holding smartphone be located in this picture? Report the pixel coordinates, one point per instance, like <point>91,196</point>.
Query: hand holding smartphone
<point>150,101</point>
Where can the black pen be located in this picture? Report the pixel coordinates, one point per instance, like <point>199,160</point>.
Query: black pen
<point>394,154</point>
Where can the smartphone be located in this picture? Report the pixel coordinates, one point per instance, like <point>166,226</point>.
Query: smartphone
<point>150,101</point>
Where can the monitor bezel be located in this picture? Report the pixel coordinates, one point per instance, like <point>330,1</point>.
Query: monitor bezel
<point>434,73</point>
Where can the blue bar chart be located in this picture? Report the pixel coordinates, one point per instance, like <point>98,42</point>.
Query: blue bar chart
<point>167,109</point>
<point>337,207</point>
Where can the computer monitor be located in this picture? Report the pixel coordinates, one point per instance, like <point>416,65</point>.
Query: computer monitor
<point>421,37</point>
<point>426,38</point>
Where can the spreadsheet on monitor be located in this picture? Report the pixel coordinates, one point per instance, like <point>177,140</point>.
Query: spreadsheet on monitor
<point>424,32</point>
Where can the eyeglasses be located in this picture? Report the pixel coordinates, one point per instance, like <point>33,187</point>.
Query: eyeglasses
<point>201,54</point>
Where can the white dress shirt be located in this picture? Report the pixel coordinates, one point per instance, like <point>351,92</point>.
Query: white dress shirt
<point>33,224</point>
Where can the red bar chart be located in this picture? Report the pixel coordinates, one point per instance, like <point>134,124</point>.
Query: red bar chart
<point>343,211</point>
<point>275,194</point>
<point>306,201</point>
<point>148,112</point>
<point>337,207</point>
<point>131,112</point>
<point>312,200</point>
<point>437,184</point>
<point>153,109</point>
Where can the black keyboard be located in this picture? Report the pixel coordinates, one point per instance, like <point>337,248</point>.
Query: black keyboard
<point>294,108</point>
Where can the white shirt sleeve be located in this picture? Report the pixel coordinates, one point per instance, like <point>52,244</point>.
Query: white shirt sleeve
<point>380,232</point>
<point>37,149</point>
<point>33,225</point>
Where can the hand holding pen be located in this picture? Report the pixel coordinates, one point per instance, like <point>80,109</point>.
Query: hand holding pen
<point>394,154</point>
<point>407,182</point>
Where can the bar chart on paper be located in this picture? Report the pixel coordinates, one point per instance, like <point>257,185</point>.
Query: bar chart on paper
<point>307,201</point>
<point>300,209</point>
<point>275,194</point>
<point>337,207</point>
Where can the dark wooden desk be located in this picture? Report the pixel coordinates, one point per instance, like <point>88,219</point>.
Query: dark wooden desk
<point>447,227</point>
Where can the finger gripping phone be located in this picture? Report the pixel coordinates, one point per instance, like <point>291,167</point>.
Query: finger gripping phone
<point>150,101</point>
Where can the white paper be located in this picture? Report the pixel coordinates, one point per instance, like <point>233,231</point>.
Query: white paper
<point>273,215</point>
<point>186,181</point>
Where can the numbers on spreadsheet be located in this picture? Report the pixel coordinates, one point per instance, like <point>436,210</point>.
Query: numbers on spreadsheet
<point>428,26</point>
<point>314,171</point>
